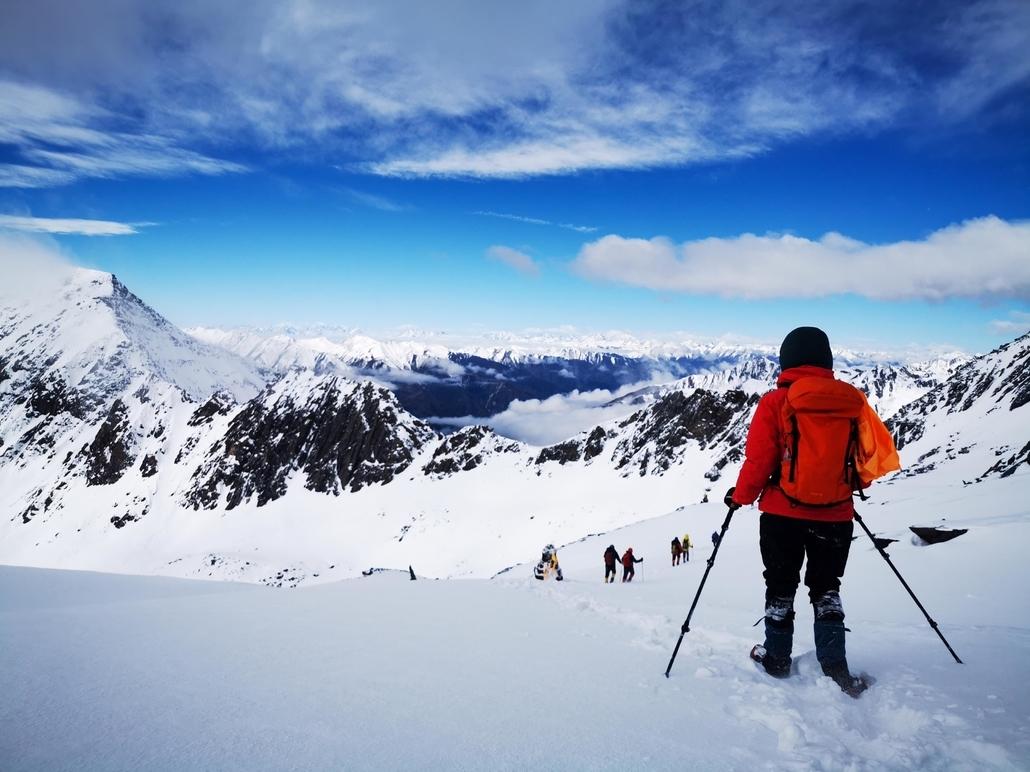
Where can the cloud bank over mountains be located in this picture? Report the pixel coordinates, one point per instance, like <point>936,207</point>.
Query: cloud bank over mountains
<point>467,89</point>
<point>983,258</point>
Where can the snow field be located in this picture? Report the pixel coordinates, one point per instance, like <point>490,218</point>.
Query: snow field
<point>116,672</point>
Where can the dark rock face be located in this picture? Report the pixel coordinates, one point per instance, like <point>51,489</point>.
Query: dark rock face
<point>594,445</point>
<point>1017,384</point>
<point>148,466</point>
<point>338,438</point>
<point>1009,464</point>
<point>706,417</point>
<point>110,453</point>
<point>574,450</point>
<point>219,404</point>
<point>563,453</point>
<point>466,449</point>
<point>51,397</point>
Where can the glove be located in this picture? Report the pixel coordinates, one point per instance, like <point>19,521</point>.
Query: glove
<point>728,499</point>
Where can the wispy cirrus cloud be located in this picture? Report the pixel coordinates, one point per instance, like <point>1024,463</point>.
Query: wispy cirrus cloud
<point>982,258</point>
<point>67,226</point>
<point>373,201</point>
<point>61,139</point>
<point>513,258</point>
<point>538,221</point>
<point>397,88</point>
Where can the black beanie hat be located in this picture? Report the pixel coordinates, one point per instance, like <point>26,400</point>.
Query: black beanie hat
<point>806,346</point>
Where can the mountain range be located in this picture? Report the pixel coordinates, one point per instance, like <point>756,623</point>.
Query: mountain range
<point>127,444</point>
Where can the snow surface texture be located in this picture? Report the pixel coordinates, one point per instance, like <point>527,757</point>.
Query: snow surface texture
<point>105,672</point>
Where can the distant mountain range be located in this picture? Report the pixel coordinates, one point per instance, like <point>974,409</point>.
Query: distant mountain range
<point>126,444</point>
<point>481,377</point>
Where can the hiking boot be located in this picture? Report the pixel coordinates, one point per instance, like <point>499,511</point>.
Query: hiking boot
<point>777,667</point>
<point>851,685</point>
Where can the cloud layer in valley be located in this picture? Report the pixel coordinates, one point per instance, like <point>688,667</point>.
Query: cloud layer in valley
<point>545,422</point>
<point>982,258</point>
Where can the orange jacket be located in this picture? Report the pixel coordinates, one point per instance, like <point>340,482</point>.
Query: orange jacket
<point>763,453</point>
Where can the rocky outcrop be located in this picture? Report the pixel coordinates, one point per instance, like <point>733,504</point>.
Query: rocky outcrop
<point>660,433</point>
<point>111,452</point>
<point>467,449</point>
<point>339,435</point>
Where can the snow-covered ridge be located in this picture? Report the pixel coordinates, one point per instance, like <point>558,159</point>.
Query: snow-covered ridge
<point>290,346</point>
<point>125,445</point>
<point>98,336</point>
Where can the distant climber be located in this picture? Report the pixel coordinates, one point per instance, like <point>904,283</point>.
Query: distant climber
<point>611,560</point>
<point>548,564</point>
<point>715,538</point>
<point>628,572</point>
<point>677,550</point>
<point>686,544</point>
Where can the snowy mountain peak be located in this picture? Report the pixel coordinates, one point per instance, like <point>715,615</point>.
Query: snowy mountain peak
<point>99,337</point>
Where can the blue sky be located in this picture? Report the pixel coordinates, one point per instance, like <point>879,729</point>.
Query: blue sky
<point>463,166</point>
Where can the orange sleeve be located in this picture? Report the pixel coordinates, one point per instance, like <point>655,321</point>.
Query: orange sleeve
<point>762,451</point>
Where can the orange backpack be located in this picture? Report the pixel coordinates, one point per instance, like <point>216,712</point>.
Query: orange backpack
<point>834,444</point>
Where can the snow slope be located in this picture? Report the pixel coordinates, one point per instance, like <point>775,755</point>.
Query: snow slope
<point>105,672</point>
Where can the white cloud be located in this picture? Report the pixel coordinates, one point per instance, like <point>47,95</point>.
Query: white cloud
<point>520,261</point>
<point>538,221</point>
<point>373,201</point>
<point>67,226</point>
<point>545,422</point>
<point>32,267</point>
<point>67,140</point>
<point>21,176</point>
<point>982,258</point>
<point>1018,322</point>
<point>401,87</point>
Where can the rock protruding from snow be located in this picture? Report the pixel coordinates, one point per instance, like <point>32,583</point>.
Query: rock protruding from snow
<point>467,449</point>
<point>338,434</point>
<point>661,433</point>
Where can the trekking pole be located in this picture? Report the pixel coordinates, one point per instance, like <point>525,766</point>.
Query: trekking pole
<point>904,584</point>
<point>711,561</point>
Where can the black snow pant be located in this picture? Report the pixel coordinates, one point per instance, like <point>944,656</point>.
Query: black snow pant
<point>785,543</point>
<point>628,572</point>
<point>609,571</point>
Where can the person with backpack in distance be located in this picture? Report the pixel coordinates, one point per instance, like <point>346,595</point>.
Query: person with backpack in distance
<point>677,551</point>
<point>715,538</point>
<point>628,571</point>
<point>686,544</point>
<point>611,560</point>
<point>813,441</point>
<point>548,564</point>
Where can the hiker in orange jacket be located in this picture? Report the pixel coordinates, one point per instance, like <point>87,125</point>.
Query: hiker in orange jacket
<point>790,530</point>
